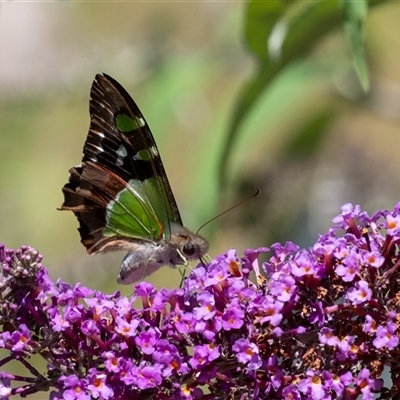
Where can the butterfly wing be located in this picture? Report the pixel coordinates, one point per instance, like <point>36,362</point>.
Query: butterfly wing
<point>120,192</point>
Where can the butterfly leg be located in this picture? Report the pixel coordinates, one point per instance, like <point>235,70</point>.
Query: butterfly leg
<point>185,265</point>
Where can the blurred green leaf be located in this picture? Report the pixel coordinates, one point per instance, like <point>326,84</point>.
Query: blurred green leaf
<point>355,12</point>
<point>306,142</point>
<point>260,21</point>
<point>280,33</point>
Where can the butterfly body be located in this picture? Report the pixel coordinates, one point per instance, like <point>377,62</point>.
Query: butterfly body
<point>146,257</point>
<point>120,193</point>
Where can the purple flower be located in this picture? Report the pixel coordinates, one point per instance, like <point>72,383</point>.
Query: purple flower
<point>290,392</point>
<point>128,373</point>
<point>283,288</point>
<point>313,386</point>
<point>303,265</point>
<point>5,383</point>
<point>203,355</point>
<point>350,267</point>
<point>99,306</point>
<point>348,212</point>
<point>250,261</point>
<point>308,329</point>
<point>126,328</point>
<point>326,337</point>
<point>369,324</point>
<point>386,336</point>
<point>20,339</point>
<point>373,258</point>
<point>98,386</point>
<point>4,339</point>
<point>247,353</point>
<point>232,318</point>
<point>112,363</point>
<point>146,340</point>
<point>165,352</point>
<point>393,224</point>
<point>271,311</point>
<point>206,309</point>
<point>360,293</point>
<point>337,383</point>
<point>148,377</point>
<point>367,384</point>
<point>185,322</point>
<point>75,388</point>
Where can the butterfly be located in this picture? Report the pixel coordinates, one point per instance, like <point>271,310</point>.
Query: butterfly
<point>120,193</point>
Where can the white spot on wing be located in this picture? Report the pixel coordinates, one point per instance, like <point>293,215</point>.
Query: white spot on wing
<point>141,122</point>
<point>122,151</point>
<point>153,151</point>
<point>119,162</point>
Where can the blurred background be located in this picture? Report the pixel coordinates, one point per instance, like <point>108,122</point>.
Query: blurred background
<point>237,94</point>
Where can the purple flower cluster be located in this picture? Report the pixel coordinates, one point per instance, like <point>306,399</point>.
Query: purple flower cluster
<point>318,323</point>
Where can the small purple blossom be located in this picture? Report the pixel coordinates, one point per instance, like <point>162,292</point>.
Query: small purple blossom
<point>204,354</point>
<point>232,318</point>
<point>360,293</point>
<point>373,258</point>
<point>271,310</point>
<point>146,340</point>
<point>393,224</point>
<point>303,264</point>
<point>386,336</point>
<point>20,339</point>
<point>97,385</point>
<point>112,363</point>
<point>348,212</point>
<point>349,267</point>
<point>283,288</point>
<point>326,336</point>
<point>313,386</point>
<point>126,328</point>
<point>247,353</point>
<point>148,377</point>
<point>367,384</point>
<point>75,388</point>
<point>206,309</point>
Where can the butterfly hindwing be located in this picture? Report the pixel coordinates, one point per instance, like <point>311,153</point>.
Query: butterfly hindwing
<point>120,192</point>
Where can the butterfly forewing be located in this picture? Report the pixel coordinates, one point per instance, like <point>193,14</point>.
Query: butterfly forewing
<point>131,151</point>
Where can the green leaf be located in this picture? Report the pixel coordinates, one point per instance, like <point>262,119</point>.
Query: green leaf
<point>308,138</point>
<point>302,25</point>
<point>355,12</point>
<point>260,21</point>
<point>280,33</point>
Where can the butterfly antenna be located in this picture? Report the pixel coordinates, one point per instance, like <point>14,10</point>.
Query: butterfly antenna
<point>256,193</point>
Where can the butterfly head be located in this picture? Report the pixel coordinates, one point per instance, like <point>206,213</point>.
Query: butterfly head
<point>192,246</point>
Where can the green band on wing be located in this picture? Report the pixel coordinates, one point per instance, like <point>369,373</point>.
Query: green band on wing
<point>143,155</point>
<point>131,216</point>
<point>127,124</point>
